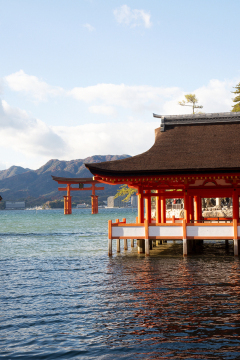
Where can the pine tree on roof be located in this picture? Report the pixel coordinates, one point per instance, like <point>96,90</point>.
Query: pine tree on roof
<point>236,107</point>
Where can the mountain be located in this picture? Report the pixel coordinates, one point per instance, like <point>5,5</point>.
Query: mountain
<point>36,186</point>
<point>13,170</point>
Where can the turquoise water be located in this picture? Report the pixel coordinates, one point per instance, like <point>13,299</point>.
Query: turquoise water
<point>62,297</point>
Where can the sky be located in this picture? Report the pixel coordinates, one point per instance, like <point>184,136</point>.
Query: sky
<point>83,77</point>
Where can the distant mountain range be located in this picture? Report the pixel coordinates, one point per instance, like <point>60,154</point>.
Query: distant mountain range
<point>36,186</point>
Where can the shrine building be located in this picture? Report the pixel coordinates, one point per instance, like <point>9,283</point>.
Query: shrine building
<point>193,157</point>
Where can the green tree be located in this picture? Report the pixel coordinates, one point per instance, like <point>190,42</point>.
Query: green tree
<point>125,191</point>
<point>236,107</point>
<point>190,100</point>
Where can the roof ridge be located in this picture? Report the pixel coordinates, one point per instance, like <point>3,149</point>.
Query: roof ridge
<point>195,116</point>
<point>193,119</point>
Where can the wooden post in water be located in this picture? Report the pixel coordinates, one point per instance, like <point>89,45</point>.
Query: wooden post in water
<point>185,241</point>
<point>132,242</point>
<point>125,244</point>
<point>141,246</point>
<point>236,242</point>
<point>118,245</point>
<point>147,252</point>
<point>109,237</point>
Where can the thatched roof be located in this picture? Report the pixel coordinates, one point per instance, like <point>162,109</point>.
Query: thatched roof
<point>184,144</point>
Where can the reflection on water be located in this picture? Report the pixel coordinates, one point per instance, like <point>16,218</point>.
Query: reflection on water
<point>84,305</point>
<point>180,308</point>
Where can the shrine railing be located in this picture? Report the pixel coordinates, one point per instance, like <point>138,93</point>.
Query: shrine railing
<point>174,231</point>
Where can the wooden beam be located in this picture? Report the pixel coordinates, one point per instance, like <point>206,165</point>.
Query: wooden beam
<point>84,189</point>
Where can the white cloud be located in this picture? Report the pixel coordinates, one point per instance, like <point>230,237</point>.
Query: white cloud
<point>112,99</point>
<point>129,109</point>
<point>31,85</point>
<point>102,109</point>
<point>136,98</point>
<point>115,138</point>
<point>124,15</point>
<point>25,134</point>
<point>89,27</point>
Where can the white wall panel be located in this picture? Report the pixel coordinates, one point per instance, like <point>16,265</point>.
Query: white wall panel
<point>165,231</point>
<point>211,231</point>
<point>128,231</point>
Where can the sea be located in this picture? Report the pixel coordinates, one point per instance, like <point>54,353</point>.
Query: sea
<point>62,297</point>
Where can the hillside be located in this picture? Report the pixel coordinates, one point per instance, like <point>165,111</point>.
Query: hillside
<point>12,171</point>
<point>36,186</point>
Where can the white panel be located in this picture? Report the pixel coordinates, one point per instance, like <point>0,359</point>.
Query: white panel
<point>128,231</point>
<point>211,231</point>
<point>165,231</point>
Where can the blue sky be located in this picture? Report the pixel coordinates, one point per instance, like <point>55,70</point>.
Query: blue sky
<point>80,78</point>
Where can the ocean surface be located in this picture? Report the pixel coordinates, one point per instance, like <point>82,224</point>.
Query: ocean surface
<point>62,297</point>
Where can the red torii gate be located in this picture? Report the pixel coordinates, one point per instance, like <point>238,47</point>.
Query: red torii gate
<point>80,182</point>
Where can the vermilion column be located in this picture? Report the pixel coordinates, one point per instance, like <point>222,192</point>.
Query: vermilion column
<point>94,204</point>
<point>186,206</point>
<point>148,207</point>
<point>65,205</point>
<point>140,206</point>
<point>196,208</point>
<point>191,210</point>
<point>94,201</point>
<point>68,202</point>
<point>158,208</point>
<point>199,204</point>
<point>163,210</point>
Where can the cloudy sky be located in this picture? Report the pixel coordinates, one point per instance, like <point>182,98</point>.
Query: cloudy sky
<point>83,77</point>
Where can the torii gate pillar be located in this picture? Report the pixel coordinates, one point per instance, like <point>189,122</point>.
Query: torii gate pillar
<point>94,204</point>
<point>68,202</point>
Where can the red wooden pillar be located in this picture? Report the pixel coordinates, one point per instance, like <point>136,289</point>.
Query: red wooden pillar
<point>163,210</point>
<point>235,204</point>
<point>68,202</point>
<point>186,206</point>
<point>94,204</point>
<point>196,208</point>
<point>199,204</point>
<point>158,208</point>
<point>65,205</point>
<point>191,209</point>
<point>140,205</point>
<point>148,208</point>
<point>94,201</point>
